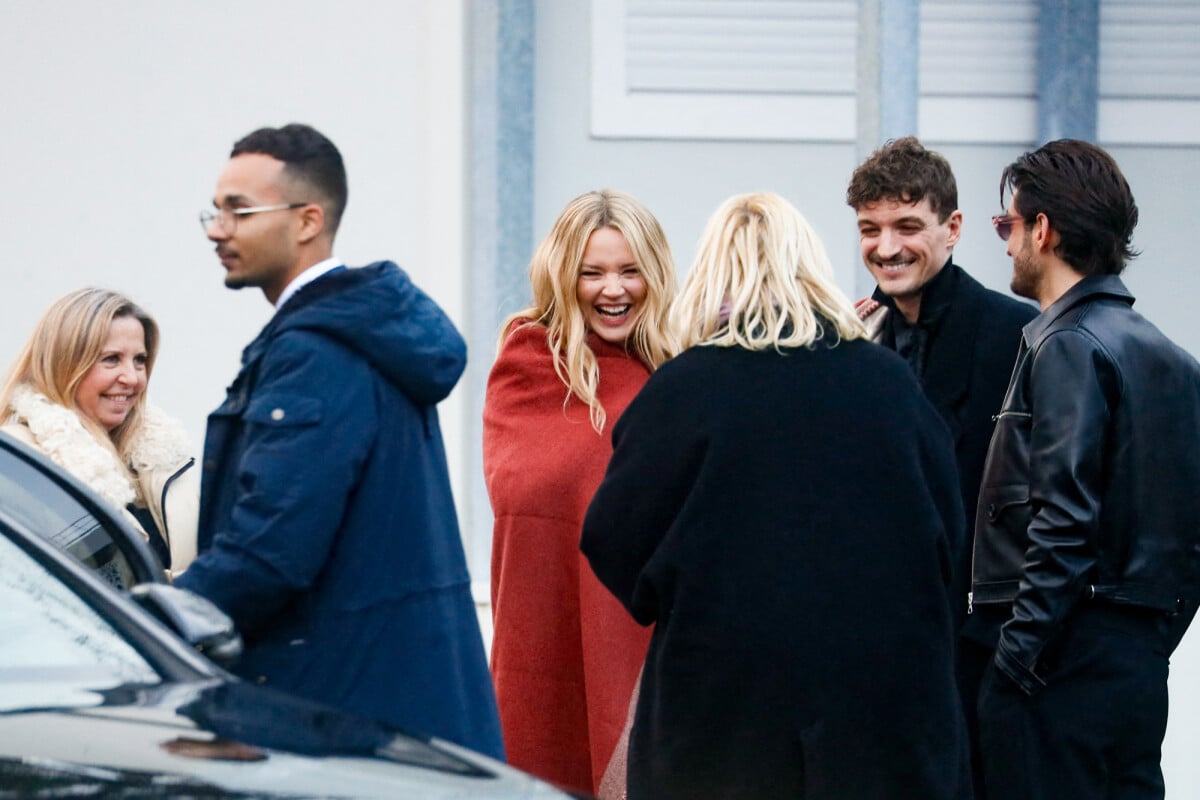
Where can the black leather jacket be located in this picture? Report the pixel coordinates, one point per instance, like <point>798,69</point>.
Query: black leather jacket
<point>1091,489</point>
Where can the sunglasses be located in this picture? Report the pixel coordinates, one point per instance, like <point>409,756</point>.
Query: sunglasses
<point>1003,224</point>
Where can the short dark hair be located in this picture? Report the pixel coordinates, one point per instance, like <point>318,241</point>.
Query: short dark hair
<point>308,156</point>
<point>904,170</point>
<point>1081,190</point>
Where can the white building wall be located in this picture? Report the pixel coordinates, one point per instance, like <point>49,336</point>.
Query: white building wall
<point>119,115</point>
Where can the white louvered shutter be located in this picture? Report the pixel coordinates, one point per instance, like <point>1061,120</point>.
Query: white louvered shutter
<point>785,69</point>
<point>721,69</point>
<point>1149,72</point>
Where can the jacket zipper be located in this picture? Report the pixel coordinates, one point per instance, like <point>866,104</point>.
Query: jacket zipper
<point>162,500</point>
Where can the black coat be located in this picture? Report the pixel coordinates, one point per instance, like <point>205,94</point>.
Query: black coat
<point>789,522</point>
<point>972,344</point>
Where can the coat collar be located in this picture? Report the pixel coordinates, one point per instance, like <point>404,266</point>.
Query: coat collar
<point>952,351</point>
<point>58,432</point>
<point>936,294</point>
<point>314,291</point>
<point>950,305</point>
<point>1089,288</point>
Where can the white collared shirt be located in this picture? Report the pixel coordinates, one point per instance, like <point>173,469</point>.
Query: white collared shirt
<point>304,278</point>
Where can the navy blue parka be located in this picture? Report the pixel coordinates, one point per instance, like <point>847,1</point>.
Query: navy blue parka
<point>327,525</point>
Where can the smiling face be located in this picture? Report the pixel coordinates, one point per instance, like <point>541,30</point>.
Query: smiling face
<point>110,388</point>
<point>905,246</point>
<point>611,289</point>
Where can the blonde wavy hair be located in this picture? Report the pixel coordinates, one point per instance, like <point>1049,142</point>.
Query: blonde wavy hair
<point>762,279</point>
<point>66,343</point>
<point>554,277</point>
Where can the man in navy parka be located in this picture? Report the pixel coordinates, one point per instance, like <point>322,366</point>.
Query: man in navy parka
<point>327,526</point>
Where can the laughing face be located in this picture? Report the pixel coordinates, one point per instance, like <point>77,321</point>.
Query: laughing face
<point>905,246</point>
<point>611,289</point>
<point>108,391</point>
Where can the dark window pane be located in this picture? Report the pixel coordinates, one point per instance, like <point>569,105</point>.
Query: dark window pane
<point>48,510</point>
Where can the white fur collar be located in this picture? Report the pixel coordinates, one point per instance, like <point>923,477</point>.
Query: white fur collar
<point>60,434</point>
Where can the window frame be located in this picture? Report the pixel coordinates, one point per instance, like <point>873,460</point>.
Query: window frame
<point>129,541</point>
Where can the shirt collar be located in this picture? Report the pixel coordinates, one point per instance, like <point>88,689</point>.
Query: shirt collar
<point>304,278</point>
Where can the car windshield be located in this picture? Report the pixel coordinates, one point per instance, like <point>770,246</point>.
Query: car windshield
<point>57,650</point>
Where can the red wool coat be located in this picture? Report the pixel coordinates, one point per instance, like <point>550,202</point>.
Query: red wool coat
<point>565,654</point>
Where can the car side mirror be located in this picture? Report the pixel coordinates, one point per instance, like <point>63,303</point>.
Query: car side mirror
<point>193,618</point>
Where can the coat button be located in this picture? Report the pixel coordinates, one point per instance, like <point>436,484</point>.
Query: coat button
<point>277,414</point>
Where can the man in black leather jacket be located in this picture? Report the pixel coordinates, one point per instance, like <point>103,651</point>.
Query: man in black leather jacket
<point>1087,541</point>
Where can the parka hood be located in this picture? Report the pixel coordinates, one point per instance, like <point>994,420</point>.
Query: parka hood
<point>377,311</point>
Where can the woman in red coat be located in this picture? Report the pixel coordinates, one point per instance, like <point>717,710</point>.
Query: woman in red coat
<point>565,654</point>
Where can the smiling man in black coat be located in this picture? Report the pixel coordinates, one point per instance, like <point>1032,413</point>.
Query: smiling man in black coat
<point>959,337</point>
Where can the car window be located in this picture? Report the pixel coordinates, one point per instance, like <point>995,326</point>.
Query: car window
<point>35,499</point>
<point>57,649</point>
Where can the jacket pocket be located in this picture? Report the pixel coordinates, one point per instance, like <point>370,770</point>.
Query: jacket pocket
<point>996,501</point>
<point>283,410</point>
<point>1001,539</point>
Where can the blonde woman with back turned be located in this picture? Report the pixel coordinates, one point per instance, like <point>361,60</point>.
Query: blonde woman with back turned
<point>77,392</point>
<point>782,505</point>
<point>565,655</point>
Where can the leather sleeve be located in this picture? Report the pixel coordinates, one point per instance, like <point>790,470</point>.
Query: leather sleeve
<point>1074,388</point>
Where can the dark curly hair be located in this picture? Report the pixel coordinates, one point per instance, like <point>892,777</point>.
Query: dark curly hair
<point>1081,190</point>
<point>308,157</point>
<point>904,170</point>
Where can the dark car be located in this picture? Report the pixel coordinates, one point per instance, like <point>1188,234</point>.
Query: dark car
<point>98,698</point>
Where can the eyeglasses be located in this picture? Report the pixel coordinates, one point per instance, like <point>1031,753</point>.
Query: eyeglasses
<point>1003,223</point>
<point>226,218</point>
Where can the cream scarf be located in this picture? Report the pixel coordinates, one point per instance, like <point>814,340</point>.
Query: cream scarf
<point>58,432</point>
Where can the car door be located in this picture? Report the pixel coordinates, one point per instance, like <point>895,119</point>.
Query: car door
<point>60,509</point>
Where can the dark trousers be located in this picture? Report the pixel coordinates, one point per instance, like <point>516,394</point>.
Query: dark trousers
<point>972,664</point>
<point>1095,731</point>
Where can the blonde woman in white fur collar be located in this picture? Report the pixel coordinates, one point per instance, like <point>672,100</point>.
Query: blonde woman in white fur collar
<point>77,392</point>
